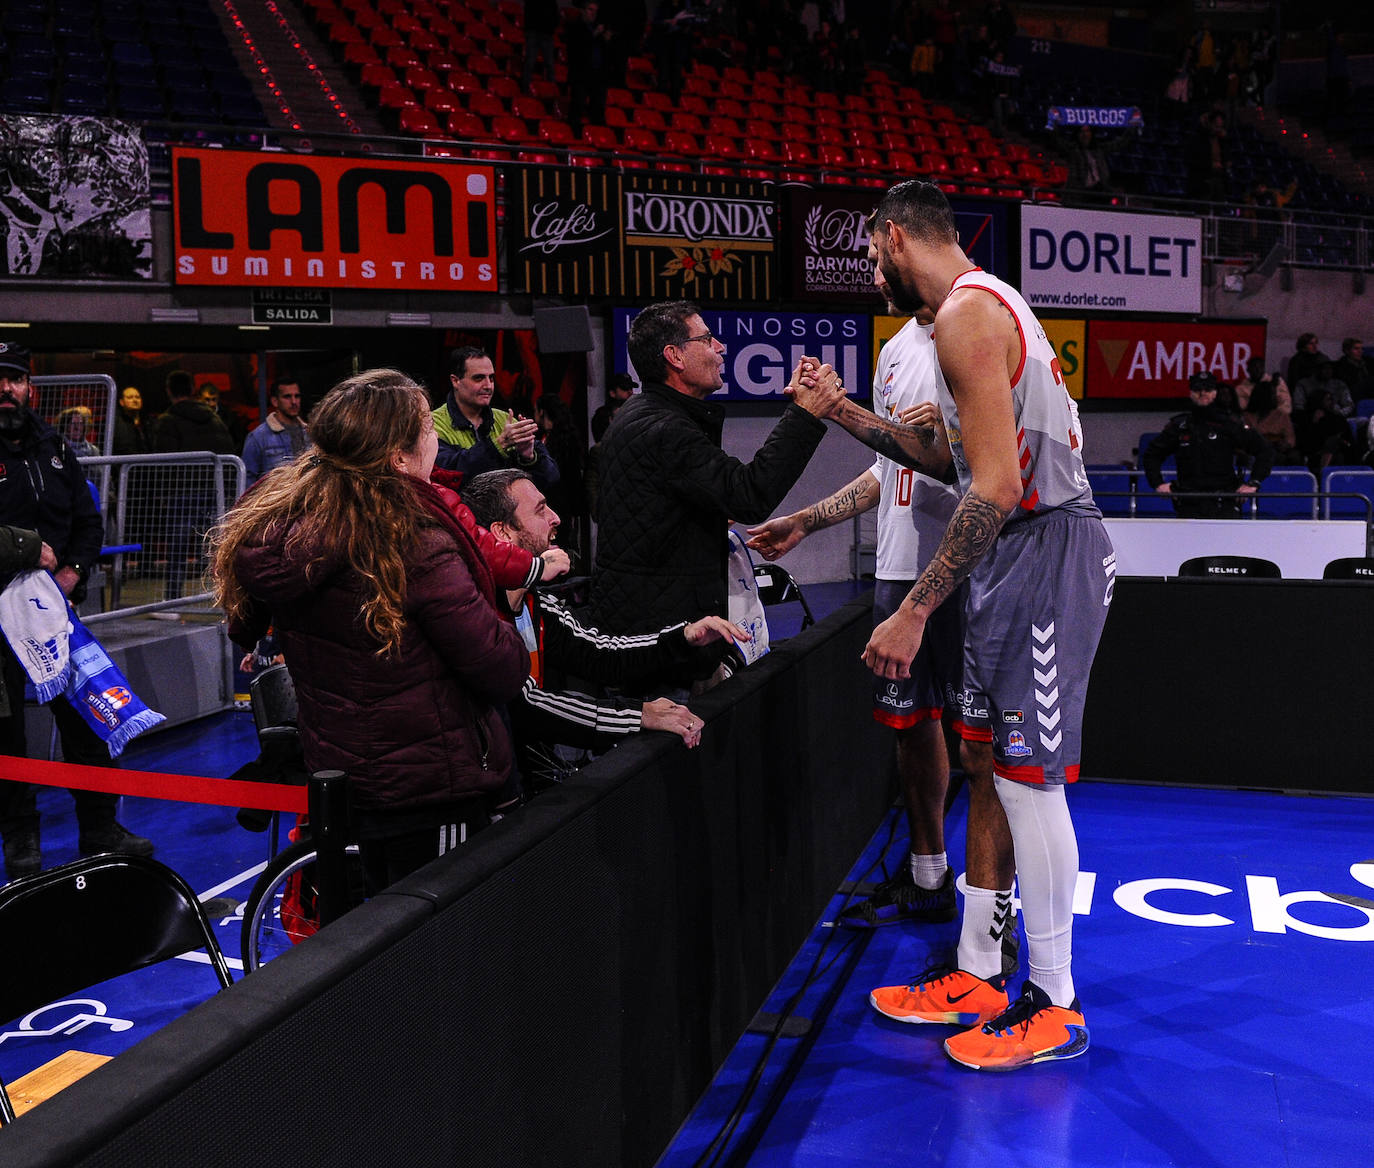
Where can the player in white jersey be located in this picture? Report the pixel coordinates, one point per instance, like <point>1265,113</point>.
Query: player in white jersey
<point>913,512</point>
<point>1029,540</point>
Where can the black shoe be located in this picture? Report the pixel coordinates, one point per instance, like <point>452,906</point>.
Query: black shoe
<point>899,899</point>
<point>23,857</point>
<point>114,838</point>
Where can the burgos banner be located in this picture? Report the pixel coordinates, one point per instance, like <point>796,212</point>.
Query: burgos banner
<point>1107,261</point>
<point>291,221</point>
<point>762,349</point>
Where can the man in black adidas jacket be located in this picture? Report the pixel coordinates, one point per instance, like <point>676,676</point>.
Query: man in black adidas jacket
<point>668,491</point>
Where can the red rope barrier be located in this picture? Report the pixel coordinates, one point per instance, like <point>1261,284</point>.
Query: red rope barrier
<point>153,785</point>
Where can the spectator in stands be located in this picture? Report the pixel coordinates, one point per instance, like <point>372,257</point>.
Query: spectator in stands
<point>1323,432</point>
<point>1304,361</point>
<point>668,491</point>
<point>208,396</point>
<point>541,22</point>
<point>585,38</point>
<point>129,435</point>
<point>510,506</point>
<point>188,496</point>
<point>282,435</point>
<point>1323,379</point>
<point>923,58</point>
<point>1206,159</point>
<point>1350,368</point>
<point>385,612</point>
<point>1254,374</point>
<point>188,424</point>
<point>1266,413</point>
<point>1205,441</point>
<point>1086,155</point>
<point>619,389</point>
<point>626,20</point>
<point>46,493</point>
<point>74,424</point>
<point>566,446</point>
<point>473,437</point>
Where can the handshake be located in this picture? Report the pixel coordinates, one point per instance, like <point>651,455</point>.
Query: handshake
<point>817,388</point>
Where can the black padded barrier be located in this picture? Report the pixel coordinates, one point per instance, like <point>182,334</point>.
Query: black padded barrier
<point>558,992</point>
<point>1234,683</point>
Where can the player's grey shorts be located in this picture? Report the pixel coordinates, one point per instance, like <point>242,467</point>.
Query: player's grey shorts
<point>937,670</point>
<point>1036,608</point>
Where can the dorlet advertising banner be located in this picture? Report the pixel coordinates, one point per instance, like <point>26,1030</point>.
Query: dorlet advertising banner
<point>826,234</point>
<point>254,220</point>
<point>641,236</point>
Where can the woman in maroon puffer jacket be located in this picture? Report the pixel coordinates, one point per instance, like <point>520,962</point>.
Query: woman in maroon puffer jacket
<point>384,610</point>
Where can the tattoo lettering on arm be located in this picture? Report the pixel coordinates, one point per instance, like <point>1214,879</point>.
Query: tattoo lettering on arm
<point>843,504</point>
<point>972,531</point>
<point>915,447</point>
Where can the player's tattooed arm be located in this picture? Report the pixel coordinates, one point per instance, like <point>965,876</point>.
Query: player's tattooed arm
<point>917,447</point>
<point>972,530</point>
<point>859,496</point>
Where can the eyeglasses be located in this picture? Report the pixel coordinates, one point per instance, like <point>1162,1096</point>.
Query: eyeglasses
<point>708,337</point>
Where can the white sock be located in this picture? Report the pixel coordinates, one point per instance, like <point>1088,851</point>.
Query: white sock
<point>988,917</point>
<point>1046,873</point>
<point>928,871</point>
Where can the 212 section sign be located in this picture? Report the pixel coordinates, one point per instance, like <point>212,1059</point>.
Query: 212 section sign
<point>258,220</point>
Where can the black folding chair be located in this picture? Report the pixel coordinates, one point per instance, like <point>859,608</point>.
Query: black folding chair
<point>91,920</point>
<point>1350,568</point>
<point>776,586</point>
<point>1230,567</point>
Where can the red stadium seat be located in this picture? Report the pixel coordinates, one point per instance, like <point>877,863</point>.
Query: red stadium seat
<point>686,123</point>
<point>620,97</point>
<point>402,57</point>
<point>509,129</point>
<point>755,128</point>
<point>728,127</point>
<point>1030,172</point>
<point>644,141</point>
<point>834,156</point>
<point>904,162</point>
<point>396,96</point>
<point>442,101</point>
<point>829,136</point>
<point>727,107</point>
<point>678,142</point>
<point>443,62</point>
<point>419,121</point>
<point>617,117</point>
<point>384,37</point>
<point>999,169</point>
<point>555,132</point>
<point>799,114</point>
<point>934,163</point>
<point>529,108</point>
<point>826,100</point>
<point>698,86</point>
<point>600,137</point>
<point>464,46</point>
<point>483,66</point>
<point>378,75</point>
<point>484,105</point>
<point>764,111</point>
<point>649,119</point>
<point>361,52</point>
<point>542,157</point>
<point>867,159</point>
<point>506,88</point>
<point>723,146</point>
<point>422,80</point>
<point>675,167</point>
<point>694,103</point>
<point>545,90</point>
<point>657,101</point>
<point>965,166</point>
<point>468,126</point>
<point>762,150</point>
<point>586,161</point>
<point>461,81</point>
<point>342,33</point>
<point>424,41</point>
<point>736,74</point>
<point>627,162</point>
<point>719,169</point>
<point>865,180</point>
<point>798,153</point>
<point>865,139</point>
<point>734,90</point>
<point>828,117</point>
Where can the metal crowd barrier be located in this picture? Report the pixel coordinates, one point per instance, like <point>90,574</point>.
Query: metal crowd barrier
<point>157,510</point>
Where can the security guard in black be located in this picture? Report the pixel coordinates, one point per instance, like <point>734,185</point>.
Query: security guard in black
<point>1205,441</point>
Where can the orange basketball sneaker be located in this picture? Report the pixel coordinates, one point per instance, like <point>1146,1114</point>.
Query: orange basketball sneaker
<point>943,995</point>
<point>1032,1030</point>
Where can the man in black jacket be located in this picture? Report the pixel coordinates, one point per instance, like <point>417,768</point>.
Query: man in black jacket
<point>1205,442</point>
<point>43,489</point>
<point>667,490</point>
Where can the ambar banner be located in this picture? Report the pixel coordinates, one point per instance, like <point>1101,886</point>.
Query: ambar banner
<point>74,199</point>
<point>271,220</point>
<point>762,349</point>
<point>1154,359</point>
<point>563,231</point>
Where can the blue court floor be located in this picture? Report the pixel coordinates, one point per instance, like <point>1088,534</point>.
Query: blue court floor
<point>1223,957</point>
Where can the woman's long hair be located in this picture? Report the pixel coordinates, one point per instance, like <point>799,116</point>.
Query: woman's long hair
<point>342,496</point>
